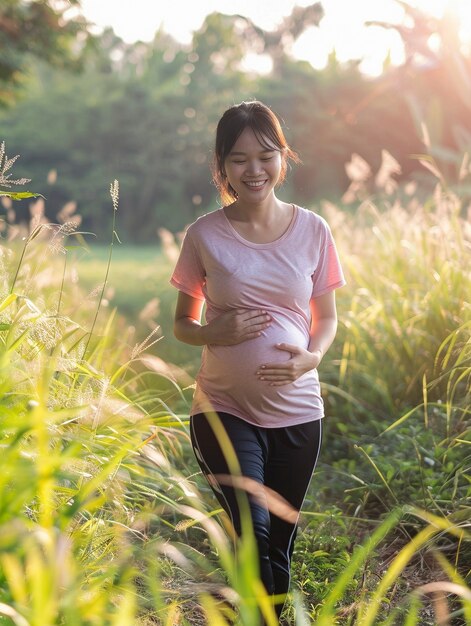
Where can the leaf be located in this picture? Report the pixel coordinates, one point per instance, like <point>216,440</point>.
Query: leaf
<point>20,195</point>
<point>432,168</point>
<point>10,612</point>
<point>8,300</point>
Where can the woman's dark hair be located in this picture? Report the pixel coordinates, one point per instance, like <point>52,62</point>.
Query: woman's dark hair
<point>266,127</point>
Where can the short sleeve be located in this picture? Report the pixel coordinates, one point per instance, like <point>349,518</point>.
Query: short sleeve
<point>189,275</point>
<point>328,274</point>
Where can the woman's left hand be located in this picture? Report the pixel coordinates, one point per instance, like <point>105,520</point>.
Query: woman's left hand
<point>301,361</point>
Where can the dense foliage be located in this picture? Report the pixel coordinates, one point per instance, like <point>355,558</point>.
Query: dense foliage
<point>145,113</point>
<point>36,30</point>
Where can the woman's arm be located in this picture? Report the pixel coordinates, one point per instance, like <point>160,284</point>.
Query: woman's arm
<point>323,323</point>
<point>323,330</point>
<point>187,325</point>
<point>229,328</point>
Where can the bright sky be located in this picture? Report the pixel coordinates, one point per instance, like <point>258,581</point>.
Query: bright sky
<point>342,27</point>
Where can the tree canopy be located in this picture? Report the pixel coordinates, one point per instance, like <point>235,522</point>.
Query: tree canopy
<point>145,113</point>
<point>39,29</point>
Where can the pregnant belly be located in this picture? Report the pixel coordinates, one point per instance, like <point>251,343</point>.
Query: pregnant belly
<point>229,372</point>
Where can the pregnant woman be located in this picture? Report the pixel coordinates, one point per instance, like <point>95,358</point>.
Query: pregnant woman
<point>267,271</point>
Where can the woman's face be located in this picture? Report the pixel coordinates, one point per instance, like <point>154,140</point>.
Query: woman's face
<point>252,169</point>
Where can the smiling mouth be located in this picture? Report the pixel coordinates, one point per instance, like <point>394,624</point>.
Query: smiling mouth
<point>255,183</point>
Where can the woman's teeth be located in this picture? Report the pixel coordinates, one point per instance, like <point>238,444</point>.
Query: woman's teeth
<point>258,183</point>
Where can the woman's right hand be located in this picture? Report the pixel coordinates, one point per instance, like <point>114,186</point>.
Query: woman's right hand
<point>233,327</point>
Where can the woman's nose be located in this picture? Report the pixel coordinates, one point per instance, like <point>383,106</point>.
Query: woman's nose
<point>253,167</point>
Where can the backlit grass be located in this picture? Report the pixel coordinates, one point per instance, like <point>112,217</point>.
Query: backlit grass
<point>104,516</point>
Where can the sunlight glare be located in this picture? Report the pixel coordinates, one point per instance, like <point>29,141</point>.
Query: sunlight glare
<point>342,27</point>
<point>457,10</point>
<point>257,63</point>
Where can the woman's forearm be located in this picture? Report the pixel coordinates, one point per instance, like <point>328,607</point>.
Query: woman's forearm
<point>228,328</point>
<point>189,330</point>
<point>323,334</point>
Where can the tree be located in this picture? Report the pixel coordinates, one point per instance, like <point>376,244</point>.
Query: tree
<point>277,43</point>
<point>435,83</point>
<point>39,29</point>
<point>145,113</point>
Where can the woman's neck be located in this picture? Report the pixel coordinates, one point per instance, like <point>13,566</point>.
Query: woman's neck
<point>262,214</point>
<point>261,224</point>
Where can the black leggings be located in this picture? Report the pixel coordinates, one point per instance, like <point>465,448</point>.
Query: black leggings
<point>282,459</point>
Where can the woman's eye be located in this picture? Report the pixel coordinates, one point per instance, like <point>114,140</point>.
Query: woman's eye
<point>238,162</point>
<point>267,158</point>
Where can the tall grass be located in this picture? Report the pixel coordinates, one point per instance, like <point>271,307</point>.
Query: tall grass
<point>398,391</point>
<point>409,266</point>
<point>95,509</point>
<point>104,516</point>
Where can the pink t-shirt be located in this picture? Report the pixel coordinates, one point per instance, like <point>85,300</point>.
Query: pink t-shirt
<point>218,265</point>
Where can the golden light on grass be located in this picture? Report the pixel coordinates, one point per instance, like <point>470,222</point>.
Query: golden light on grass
<point>102,506</point>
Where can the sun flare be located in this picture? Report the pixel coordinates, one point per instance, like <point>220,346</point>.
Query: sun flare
<point>342,28</point>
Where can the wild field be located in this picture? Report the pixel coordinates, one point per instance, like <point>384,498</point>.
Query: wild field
<point>104,517</point>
